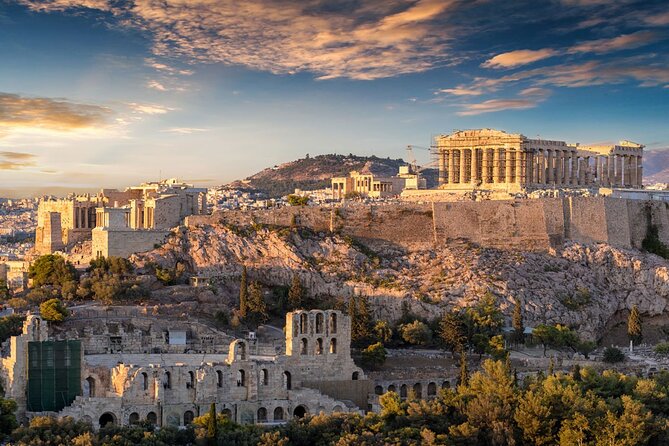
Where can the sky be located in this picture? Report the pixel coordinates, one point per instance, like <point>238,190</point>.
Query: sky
<point>108,93</point>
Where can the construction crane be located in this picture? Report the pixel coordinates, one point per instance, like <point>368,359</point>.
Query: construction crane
<point>411,158</point>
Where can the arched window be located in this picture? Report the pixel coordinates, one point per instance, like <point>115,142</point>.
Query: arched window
<point>219,378</point>
<point>91,386</point>
<point>107,418</point>
<point>305,346</point>
<point>304,323</point>
<point>168,380</point>
<point>287,380</point>
<point>319,346</point>
<point>241,351</point>
<point>278,414</point>
<point>241,378</point>
<point>417,391</point>
<point>300,412</point>
<point>446,385</point>
<point>133,418</point>
<point>336,409</point>
<point>333,345</point>
<point>264,377</point>
<point>355,376</point>
<point>145,381</point>
<point>152,418</point>
<point>403,391</point>
<point>262,415</point>
<point>191,381</point>
<point>333,323</point>
<point>378,390</point>
<point>189,416</point>
<point>227,413</point>
<point>392,388</point>
<point>319,322</point>
<point>431,389</point>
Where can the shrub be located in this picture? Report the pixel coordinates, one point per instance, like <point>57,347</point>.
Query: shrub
<point>374,355</point>
<point>51,269</point>
<point>53,310</point>
<point>662,348</point>
<point>613,355</point>
<point>416,333</point>
<point>296,200</point>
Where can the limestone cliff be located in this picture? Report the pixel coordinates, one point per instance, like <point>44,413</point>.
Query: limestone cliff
<point>583,285</point>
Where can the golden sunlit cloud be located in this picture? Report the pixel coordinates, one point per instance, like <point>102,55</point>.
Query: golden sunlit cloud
<point>16,160</point>
<point>622,42</point>
<point>518,57</point>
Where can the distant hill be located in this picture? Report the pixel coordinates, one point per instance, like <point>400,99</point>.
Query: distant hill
<point>656,166</point>
<point>315,173</point>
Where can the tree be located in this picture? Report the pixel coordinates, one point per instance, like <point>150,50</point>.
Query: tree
<point>613,355</point>
<point>374,355</point>
<point>7,417</point>
<point>464,373</point>
<point>416,333</point>
<point>634,326</point>
<point>452,331</point>
<point>296,200</point>
<point>51,269</point>
<point>53,310</point>
<point>518,328</point>
<point>4,290</point>
<point>383,332</point>
<point>358,311</point>
<point>257,305</point>
<point>633,427</point>
<point>295,293</point>
<point>546,334</point>
<point>486,316</point>
<point>243,294</point>
<point>212,426</point>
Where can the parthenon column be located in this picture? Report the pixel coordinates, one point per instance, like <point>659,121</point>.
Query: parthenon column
<point>496,166</point>
<point>619,171</point>
<point>463,167</point>
<point>605,171</point>
<point>529,163</point>
<point>442,167</point>
<point>474,167</point>
<point>581,171</point>
<point>559,169</point>
<point>451,167</point>
<point>639,172</point>
<point>632,170</point>
<point>549,167</point>
<point>612,170</point>
<point>573,169</point>
<point>507,166</point>
<point>519,166</point>
<point>485,166</point>
<point>542,166</point>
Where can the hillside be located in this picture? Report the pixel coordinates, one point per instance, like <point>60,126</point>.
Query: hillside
<point>315,173</point>
<point>656,166</point>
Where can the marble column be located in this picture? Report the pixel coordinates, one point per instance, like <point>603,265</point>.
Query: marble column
<point>496,165</point>
<point>451,167</point>
<point>581,171</point>
<point>639,172</point>
<point>519,166</point>
<point>549,167</point>
<point>619,170</point>
<point>633,170</point>
<point>559,166</point>
<point>529,156</point>
<point>485,167</point>
<point>612,170</point>
<point>474,166</point>
<point>605,172</point>
<point>442,167</point>
<point>463,166</point>
<point>573,169</point>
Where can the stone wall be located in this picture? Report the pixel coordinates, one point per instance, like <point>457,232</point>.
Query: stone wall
<point>123,243</point>
<point>536,224</point>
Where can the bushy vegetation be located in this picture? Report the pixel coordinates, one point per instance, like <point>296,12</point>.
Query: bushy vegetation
<point>653,244</point>
<point>613,355</point>
<point>297,200</point>
<point>53,310</point>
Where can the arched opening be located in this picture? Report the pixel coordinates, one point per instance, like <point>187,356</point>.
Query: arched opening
<point>336,409</point>
<point>378,390</point>
<point>417,391</point>
<point>241,351</point>
<point>264,377</point>
<point>446,385</point>
<point>262,415</point>
<point>278,414</point>
<point>227,413</point>
<point>241,378</point>
<point>305,346</point>
<point>431,389</point>
<point>319,346</point>
<point>107,418</point>
<point>133,418</point>
<point>392,388</point>
<point>287,380</point>
<point>91,386</point>
<point>403,391</point>
<point>145,381</point>
<point>304,323</point>
<point>219,378</point>
<point>355,376</point>
<point>152,418</point>
<point>333,323</point>
<point>333,345</point>
<point>319,322</point>
<point>168,380</point>
<point>191,381</point>
<point>189,416</point>
<point>300,411</point>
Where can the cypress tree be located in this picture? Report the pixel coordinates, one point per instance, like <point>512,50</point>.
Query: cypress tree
<point>634,325</point>
<point>518,328</point>
<point>244,294</point>
<point>353,315</point>
<point>257,305</point>
<point>295,293</point>
<point>464,374</point>
<point>364,318</point>
<point>212,426</point>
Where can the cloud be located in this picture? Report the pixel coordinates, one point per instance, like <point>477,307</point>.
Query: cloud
<point>154,84</point>
<point>460,91</point>
<point>185,130</point>
<point>365,39</point>
<point>622,42</point>
<point>149,109</point>
<point>661,19</point>
<point>16,160</point>
<point>529,98</point>
<point>518,57</point>
<point>21,112</point>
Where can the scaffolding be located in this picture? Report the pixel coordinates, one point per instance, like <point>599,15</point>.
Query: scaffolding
<point>54,375</point>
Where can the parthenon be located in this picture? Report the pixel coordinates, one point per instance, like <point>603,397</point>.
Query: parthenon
<point>493,159</point>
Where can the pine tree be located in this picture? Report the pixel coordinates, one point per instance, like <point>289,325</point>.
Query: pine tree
<point>634,325</point>
<point>365,318</point>
<point>452,331</point>
<point>295,293</point>
<point>243,294</point>
<point>518,328</point>
<point>464,373</point>
<point>257,306</point>
<point>358,311</point>
<point>212,426</point>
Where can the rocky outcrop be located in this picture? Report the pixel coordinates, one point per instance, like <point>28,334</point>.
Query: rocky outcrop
<point>582,285</point>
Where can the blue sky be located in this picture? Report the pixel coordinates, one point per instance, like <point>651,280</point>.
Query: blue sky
<point>102,93</point>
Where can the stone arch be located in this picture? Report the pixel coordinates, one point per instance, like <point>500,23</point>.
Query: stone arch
<point>241,378</point>
<point>145,381</point>
<point>107,419</point>
<point>392,388</point>
<point>319,346</point>
<point>278,414</point>
<point>333,322</point>
<point>319,322</point>
<point>336,409</point>
<point>91,386</point>
<point>133,418</point>
<point>152,418</point>
<point>446,385</point>
<point>219,378</point>
<point>264,377</point>
<point>418,390</point>
<point>333,345</point>
<point>304,346</point>
<point>238,351</point>
<point>189,416</point>
<point>304,323</point>
<point>262,415</point>
<point>287,380</point>
<point>378,390</point>
<point>300,411</point>
<point>431,389</point>
<point>355,376</point>
<point>403,391</point>
<point>227,413</point>
<point>191,380</point>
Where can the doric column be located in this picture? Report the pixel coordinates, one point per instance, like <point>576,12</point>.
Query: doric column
<point>581,171</point>
<point>507,166</point>
<point>518,174</point>
<point>549,167</point>
<point>542,166</point>
<point>463,166</point>
<point>639,172</point>
<point>474,166</point>
<point>559,169</point>
<point>529,163</point>
<point>612,170</point>
<point>632,170</point>
<point>442,167</point>
<point>628,171</point>
<point>496,166</point>
<point>451,167</point>
<point>619,171</point>
<point>605,171</point>
<point>573,169</point>
<point>485,166</point>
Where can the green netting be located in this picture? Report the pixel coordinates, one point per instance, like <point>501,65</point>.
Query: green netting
<point>54,374</point>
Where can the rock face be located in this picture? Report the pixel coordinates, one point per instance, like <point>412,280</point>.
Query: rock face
<point>582,285</point>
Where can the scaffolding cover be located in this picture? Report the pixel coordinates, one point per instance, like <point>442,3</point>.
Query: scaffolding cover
<point>54,374</point>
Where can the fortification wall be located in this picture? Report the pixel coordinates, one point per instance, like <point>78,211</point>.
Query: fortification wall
<point>536,224</point>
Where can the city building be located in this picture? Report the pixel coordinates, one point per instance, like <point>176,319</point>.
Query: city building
<point>369,185</point>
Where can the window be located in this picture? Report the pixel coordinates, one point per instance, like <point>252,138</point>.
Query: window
<point>319,323</point>
<point>134,418</point>
<point>319,346</point>
<point>378,390</point>
<point>264,377</point>
<point>431,389</point>
<point>152,418</point>
<point>188,417</point>
<point>305,345</point>
<point>241,378</point>
<point>145,381</point>
<point>278,414</point>
<point>333,345</point>
<point>191,381</point>
<point>219,378</point>
<point>333,323</point>
<point>355,376</point>
<point>417,391</point>
<point>262,415</point>
<point>303,323</point>
<point>168,380</point>
<point>287,381</point>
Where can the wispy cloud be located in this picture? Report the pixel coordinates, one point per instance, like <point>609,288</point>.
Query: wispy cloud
<point>518,57</point>
<point>460,91</point>
<point>528,98</point>
<point>149,109</point>
<point>16,160</point>
<point>621,42</point>
<point>185,130</point>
